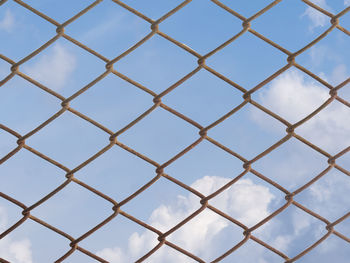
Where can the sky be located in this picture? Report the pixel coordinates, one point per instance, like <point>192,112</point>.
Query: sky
<point>157,64</point>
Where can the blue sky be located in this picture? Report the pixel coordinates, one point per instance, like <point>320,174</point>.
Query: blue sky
<point>157,64</point>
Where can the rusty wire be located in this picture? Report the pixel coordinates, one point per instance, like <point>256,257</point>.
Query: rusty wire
<point>73,243</point>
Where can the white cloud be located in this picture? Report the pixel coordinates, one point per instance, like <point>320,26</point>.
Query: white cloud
<point>7,23</point>
<point>346,2</point>
<point>282,242</point>
<point>317,18</point>
<point>15,251</point>
<point>328,196</point>
<point>112,254</point>
<point>245,201</point>
<point>53,68</point>
<point>293,97</point>
<point>339,74</point>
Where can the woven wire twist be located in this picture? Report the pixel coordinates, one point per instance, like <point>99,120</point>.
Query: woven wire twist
<point>160,169</point>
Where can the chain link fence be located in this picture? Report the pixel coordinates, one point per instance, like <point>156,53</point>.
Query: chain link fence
<point>73,244</point>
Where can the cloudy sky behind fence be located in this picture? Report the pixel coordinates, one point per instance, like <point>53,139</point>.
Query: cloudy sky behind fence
<point>157,64</point>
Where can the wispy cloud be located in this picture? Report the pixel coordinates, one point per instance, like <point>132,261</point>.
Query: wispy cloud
<point>339,74</point>
<point>105,27</point>
<point>330,194</point>
<point>7,22</point>
<point>53,68</point>
<point>322,55</point>
<point>245,201</point>
<point>317,18</point>
<point>15,251</point>
<point>346,2</point>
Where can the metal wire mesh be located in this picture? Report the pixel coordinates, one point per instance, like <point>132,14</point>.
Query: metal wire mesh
<point>160,169</point>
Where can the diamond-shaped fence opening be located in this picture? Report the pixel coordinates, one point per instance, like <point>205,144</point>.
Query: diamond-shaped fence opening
<point>158,131</point>
<point>38,176</point>
<point>306,164</point>
<point>241,56</point>
<point>112,35</point>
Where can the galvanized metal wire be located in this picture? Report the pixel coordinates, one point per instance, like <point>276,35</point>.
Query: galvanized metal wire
<point>73,243</point>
